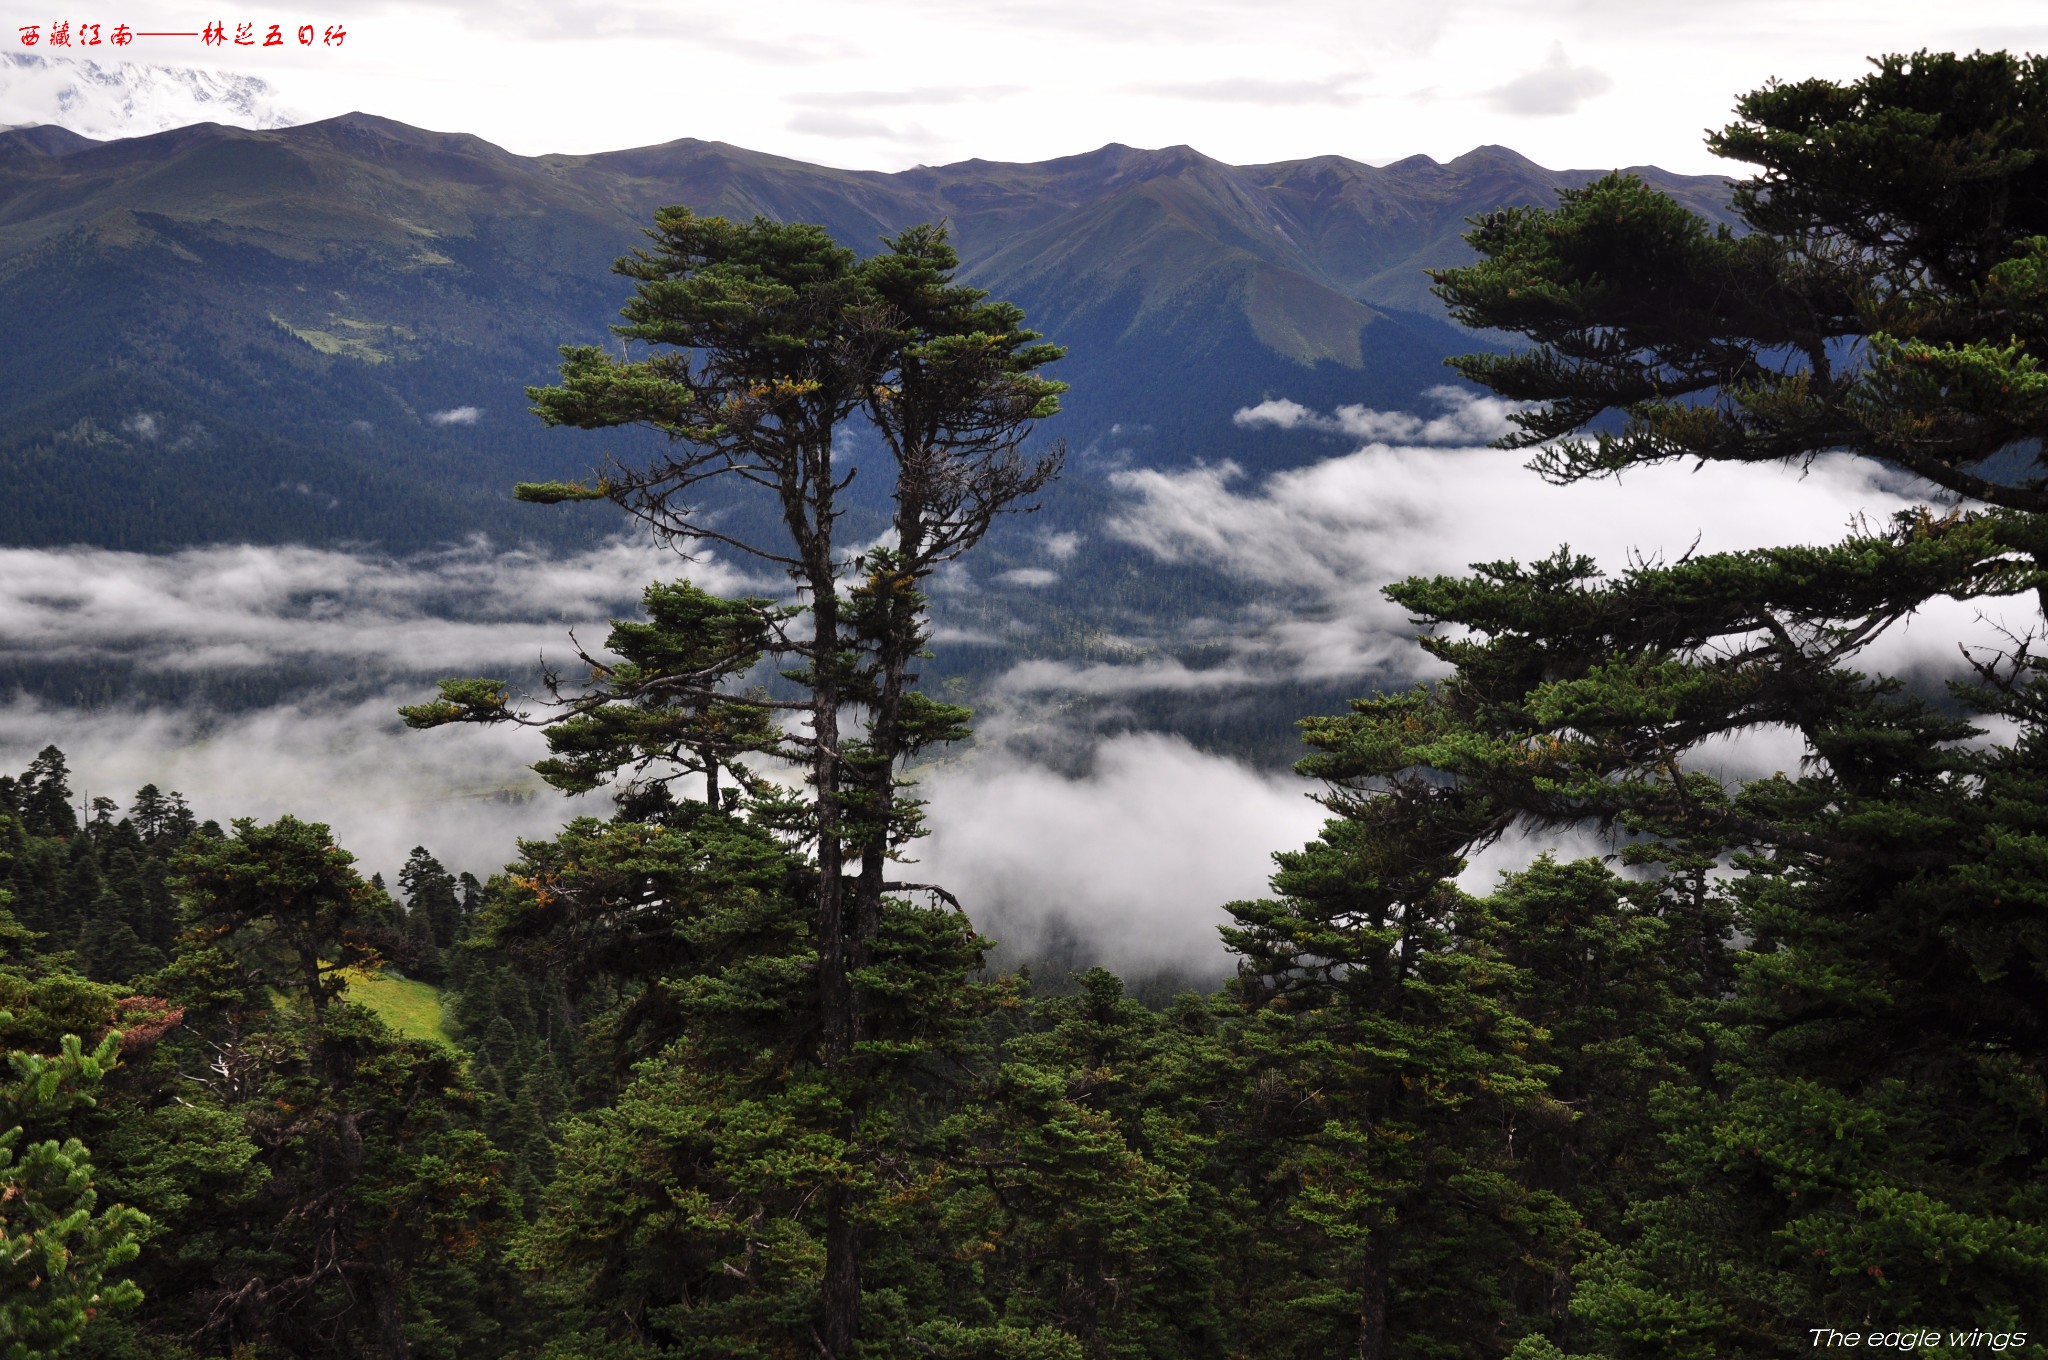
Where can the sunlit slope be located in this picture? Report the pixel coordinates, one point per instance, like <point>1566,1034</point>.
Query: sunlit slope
<point>411,1007</point>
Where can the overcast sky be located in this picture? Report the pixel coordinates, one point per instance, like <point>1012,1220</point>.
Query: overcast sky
<point>888,84</point>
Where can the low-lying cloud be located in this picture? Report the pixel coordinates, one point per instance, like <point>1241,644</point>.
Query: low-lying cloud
<point>1130,843</point>
<point>464,793</point>
<point>246,606</point>
<point>339,754</point>
<point>1134,858</point>
<point>1103,856</point>
<point>457,415</point>
<point>1325,540</point>
<point>1137,856</point>
<point>1153,675</point>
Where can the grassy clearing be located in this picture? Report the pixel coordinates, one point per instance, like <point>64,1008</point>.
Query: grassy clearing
<point>412,1008</point>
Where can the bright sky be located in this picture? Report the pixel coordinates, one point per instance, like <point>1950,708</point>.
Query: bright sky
<point>887,84</point>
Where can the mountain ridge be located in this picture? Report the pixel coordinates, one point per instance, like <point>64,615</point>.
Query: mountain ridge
<point>356,305</point>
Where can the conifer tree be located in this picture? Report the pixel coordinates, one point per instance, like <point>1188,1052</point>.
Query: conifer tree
<point>1083,1198</point>
<point>160,816</point>
<point>1391,1055</point>
<point>373,1167</point>
<point>60,1253</point>
<point>285,901</point>
<point>767,340</point>
<point>43,795</point>
<point>1866,1147</point>
<point>432,896</point>
<point>688,1210</point>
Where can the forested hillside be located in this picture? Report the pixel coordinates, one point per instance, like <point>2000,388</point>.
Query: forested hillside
<point>323,334</point>
<point>717,1074</point>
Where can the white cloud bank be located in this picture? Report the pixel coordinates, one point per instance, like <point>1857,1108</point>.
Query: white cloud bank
<point>464,793</point>
<point>1137,857</point>
<point>339,758</point>
<point>1326,539</point>
<point>251,606</point>
<point>1111,856</point>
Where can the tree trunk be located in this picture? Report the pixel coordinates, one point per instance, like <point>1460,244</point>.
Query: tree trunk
<point>842,1277</point>
<point>835,987</point>
<point>309,973</point>
<point>898,649</point>
<point>811,525</point>
<point>382,1283</point>
<point>390,1313</point>
<point>842,1287</point>
<point>1372,1303</point>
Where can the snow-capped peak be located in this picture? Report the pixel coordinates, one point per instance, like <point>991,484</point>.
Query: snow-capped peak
<point>129,99</point>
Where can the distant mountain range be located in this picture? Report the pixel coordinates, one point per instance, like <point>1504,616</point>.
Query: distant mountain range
<point>128,99</point>
<point>322,333</point>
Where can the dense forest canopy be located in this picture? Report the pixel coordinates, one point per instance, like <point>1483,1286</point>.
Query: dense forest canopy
<point>703,1078</point>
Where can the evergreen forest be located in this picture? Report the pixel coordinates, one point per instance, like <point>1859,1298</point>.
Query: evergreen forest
<point>716,1076</point>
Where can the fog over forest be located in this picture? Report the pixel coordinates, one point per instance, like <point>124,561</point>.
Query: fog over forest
<point>1071,817</point>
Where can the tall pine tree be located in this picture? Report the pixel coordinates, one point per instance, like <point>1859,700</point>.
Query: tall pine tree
<point>767,341</point>
<point>1867,1144</point>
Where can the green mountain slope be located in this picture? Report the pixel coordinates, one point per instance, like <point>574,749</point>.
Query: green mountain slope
<point>322,333</point>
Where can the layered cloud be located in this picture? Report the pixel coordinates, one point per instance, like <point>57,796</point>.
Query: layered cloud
<point>920,96</point>
<point>1324,541</point>
<point>1130,843</point>
<point>1152,675</point>
<point>841,126</point>
<point>1135,857</point>
<point>338,754</point>
<point>1099,854</point>
<point>250,606</point>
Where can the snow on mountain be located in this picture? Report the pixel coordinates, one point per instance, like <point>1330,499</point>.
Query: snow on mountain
<point>129,99</point>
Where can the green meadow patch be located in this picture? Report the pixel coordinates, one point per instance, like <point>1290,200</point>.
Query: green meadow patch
<point>412,1008</point>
